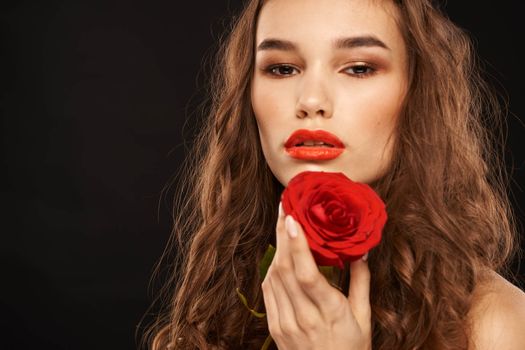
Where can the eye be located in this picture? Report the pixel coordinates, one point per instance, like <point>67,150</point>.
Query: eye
<point>361,70</point>
<point>279,70</point>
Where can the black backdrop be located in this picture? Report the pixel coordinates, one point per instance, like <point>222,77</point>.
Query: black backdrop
<point>94,100</point>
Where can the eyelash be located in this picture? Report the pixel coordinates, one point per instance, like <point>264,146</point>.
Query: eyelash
<point>269,70</point>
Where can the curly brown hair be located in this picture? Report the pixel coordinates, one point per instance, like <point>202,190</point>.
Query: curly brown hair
<point>446,194</point>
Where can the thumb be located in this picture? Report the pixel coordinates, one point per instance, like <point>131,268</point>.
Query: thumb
<point>359,291</point>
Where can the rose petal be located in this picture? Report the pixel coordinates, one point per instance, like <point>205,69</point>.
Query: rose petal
<point>342,219</point>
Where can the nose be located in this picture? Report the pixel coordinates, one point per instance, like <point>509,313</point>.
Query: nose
<point>313,98</point>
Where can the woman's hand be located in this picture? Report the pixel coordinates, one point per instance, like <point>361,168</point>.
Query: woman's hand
<point>303,310</point>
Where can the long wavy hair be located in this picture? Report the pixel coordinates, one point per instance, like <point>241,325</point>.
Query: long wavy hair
<point>450,219</point>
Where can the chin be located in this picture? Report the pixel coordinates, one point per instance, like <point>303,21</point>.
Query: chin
<point>286,177</point>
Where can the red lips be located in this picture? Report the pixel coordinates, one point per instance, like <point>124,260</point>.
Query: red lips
<point>333,148</point>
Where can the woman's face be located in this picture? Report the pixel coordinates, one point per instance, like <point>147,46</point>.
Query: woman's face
<point>333,65</point>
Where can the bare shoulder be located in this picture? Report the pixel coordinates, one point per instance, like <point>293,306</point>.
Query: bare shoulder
<point>498,315</point>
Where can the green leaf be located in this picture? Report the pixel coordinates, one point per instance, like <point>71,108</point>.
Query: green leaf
<point>267,343</point>
<point>245,302</point>
<point>264,265</point>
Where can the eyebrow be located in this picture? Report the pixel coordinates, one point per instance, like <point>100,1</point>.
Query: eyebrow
<point>340,43</point>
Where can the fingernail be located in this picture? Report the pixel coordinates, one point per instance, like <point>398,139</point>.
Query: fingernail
<point>365,257</point>
<point>290,227</point>
<point>280,208</point>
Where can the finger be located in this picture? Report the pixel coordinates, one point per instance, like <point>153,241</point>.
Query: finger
<point>281,252</point>
<point>287,319</point>
<point>306,313</point>
<point>281,265</point>
<point>311,281</point>
<point>272,311</point>
<point>359,291</point>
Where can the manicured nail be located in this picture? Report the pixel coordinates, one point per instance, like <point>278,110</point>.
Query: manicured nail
<point>290,226</point>
<point>281,209</point>
<point>365,257</point>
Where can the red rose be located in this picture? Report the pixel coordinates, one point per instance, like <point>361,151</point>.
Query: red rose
<point>342,219</point>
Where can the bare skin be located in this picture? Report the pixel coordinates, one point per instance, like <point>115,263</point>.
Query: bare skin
<point>498,315</point>
<point>356,93</point>
<point>303,310</point>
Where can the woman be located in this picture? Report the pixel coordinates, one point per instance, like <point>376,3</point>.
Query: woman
<point>395,82</point>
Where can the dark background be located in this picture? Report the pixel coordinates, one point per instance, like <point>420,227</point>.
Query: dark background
<point>94,98</point>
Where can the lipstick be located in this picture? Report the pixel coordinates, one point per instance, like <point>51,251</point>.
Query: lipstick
<point>313,145</point>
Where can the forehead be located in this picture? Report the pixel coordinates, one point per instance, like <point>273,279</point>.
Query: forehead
<point>315,22</point>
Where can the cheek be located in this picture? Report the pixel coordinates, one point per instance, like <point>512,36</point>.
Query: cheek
<point>268,102</point>
<point>262,110</point>
<point>269,106</point>
<point>375,109</point>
